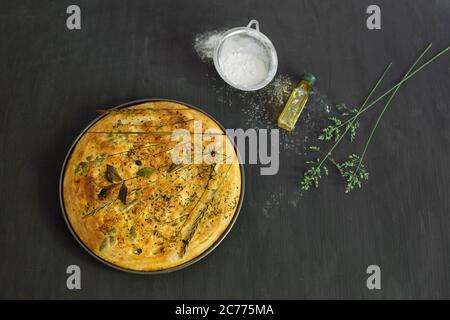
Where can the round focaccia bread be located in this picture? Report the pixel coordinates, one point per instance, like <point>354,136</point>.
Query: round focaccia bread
<point>131,204</point>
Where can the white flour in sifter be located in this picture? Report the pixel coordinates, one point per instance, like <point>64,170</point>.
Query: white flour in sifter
<point>243,61</point>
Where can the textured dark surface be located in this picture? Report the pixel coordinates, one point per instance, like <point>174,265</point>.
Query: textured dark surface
<point>282,246</point>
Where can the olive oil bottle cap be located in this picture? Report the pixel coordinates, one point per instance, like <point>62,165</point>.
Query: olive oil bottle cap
<point>310,78</point>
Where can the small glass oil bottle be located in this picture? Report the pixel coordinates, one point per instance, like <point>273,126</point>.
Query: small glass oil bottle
<point>297,101</point>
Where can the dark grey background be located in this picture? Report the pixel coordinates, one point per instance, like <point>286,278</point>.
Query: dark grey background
<point>282,246</point>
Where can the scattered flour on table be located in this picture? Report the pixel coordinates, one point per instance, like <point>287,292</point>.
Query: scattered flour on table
<point>206,42</point>
<point>260,110</point>
<point>294,197</point>
<point>272,203</point>
<point>275,199</point>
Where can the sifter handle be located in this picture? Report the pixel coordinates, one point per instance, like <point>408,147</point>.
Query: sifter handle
<point>255,23</point>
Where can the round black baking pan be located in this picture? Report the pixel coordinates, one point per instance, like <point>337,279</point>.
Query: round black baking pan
<point>181,266</point>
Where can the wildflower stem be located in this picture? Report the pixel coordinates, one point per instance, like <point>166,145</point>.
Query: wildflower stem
<point>359,110</point>
<point>387,104</point>
<point>370,105</point>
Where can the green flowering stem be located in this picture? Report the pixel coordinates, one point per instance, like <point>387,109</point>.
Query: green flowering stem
<point>353,169</point>
<point>313,174</point>
<point>359,111</point>
<point>399,83</point>
<point>397,87</point>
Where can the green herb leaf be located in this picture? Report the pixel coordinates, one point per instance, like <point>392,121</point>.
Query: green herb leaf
<point>104,192</point>
<point>345,110</point>
<point>112,175</point>
<point>145,172</point>
<point>353,175</point>
<point>132,233</point>
<point>352,127</point>
<point>123,192</point>
<point>331,132</point>
<point>81,167</point>
<point>104,244</point>
<point>312,176</point>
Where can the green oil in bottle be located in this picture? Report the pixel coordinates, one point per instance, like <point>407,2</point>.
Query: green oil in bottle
<point>297,101</point>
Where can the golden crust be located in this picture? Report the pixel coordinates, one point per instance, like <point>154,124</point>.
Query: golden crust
<point>170,213</point>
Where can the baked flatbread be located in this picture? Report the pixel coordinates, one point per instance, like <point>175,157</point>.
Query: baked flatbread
<point>131,205</point>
